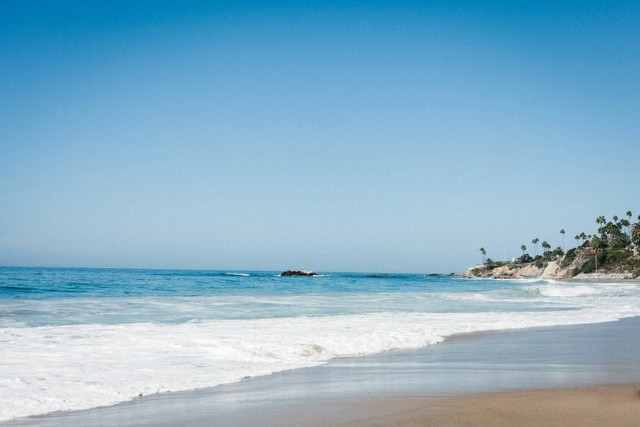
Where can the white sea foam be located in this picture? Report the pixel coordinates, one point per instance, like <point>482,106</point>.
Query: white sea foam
<point>55,368</point>
<point>52,368</point>
<point>560,289</point>
<point>238,274</point>
<point>563,291</point>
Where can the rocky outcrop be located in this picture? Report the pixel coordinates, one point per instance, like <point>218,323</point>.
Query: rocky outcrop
<point>558,269</point>
<point>567,267</point>
<point>477,270</point>
<point>298,273</point>
<point>508,271</point>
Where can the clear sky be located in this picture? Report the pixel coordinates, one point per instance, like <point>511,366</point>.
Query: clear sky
<point>336,136</point>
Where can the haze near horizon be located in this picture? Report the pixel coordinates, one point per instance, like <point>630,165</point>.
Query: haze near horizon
<point>334,136</point>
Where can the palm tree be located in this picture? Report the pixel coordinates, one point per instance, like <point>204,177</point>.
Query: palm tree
<point>577,239</point>
<point>626,224</point>
<point>483,252</point>
<point>616,224</point>
<point>535,242</point>
<point>597,243</point>
<point>562,232</point>
<point>583,236</point>
<point>601,220</point>
<point>523,248</point>
<point>545,246</point>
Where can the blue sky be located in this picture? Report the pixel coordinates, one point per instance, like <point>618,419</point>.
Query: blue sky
<point>337,136</point>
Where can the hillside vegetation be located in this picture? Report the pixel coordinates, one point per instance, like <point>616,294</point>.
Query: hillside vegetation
<point>612,252</point>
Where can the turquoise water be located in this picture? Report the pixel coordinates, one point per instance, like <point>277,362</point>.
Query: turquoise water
<point>81,338</point>
<point>54,296</point>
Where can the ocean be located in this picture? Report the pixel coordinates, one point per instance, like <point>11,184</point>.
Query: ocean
<point>83,338</point>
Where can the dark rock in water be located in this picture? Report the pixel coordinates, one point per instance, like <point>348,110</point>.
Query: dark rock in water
<point>298,273</point>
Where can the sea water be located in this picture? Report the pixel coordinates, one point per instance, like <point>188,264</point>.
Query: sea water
<point>83,338</point>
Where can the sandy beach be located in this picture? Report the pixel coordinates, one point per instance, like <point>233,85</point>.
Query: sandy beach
<point>582,406</point>
<point>565,376</point>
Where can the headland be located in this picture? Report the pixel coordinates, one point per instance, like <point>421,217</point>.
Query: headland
<point>609,254</point>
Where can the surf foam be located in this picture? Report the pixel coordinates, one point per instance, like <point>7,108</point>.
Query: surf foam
<point>70,367</point>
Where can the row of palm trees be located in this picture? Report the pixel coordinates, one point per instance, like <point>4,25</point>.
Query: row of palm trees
<point>611,234</point>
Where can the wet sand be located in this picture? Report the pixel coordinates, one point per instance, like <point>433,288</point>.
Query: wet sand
<point>574,407</point>
<point>541,376</point>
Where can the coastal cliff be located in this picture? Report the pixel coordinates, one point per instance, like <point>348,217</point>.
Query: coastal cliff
<point>573,265</point>
<point>551,270</point>
<point>610,254</point>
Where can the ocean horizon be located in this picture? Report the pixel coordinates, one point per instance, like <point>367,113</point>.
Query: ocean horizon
<point>80,338</point>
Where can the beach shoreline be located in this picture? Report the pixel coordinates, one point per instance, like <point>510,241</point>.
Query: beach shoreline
<point>407,386</point>
<point>617,405</point>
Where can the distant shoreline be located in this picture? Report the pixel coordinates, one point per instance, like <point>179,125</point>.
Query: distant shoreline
<point>635,280</point>
<point>574,265</point>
